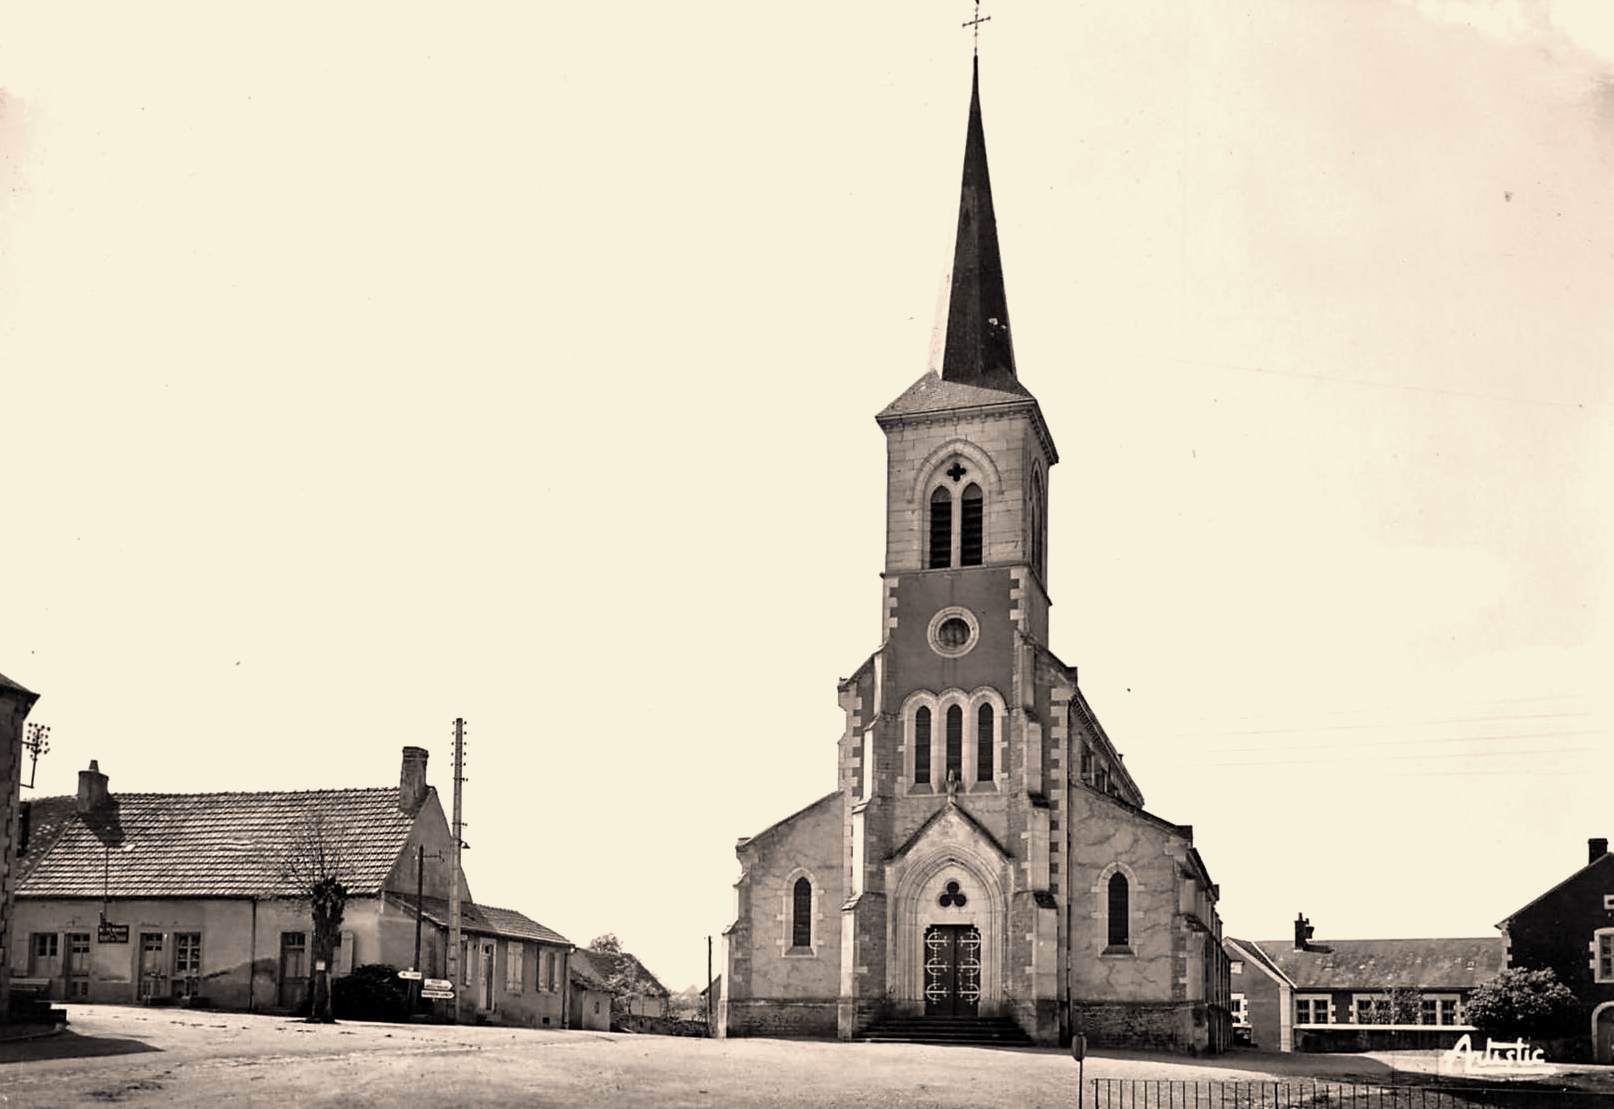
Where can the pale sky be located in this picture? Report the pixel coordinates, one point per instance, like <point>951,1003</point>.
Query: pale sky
<point>368,365</point>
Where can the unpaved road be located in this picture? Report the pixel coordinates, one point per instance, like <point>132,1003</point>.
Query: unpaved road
<point>155,1057</point>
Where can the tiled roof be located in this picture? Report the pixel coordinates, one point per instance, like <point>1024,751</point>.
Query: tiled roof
<point>1385,964</point>
<point>48,817</point>
<point>484,919</point>
<point>585,973</point>
<point>932,393</point>
<point>213,844</point>
<point>1249,949</point>
<point>604,965</point>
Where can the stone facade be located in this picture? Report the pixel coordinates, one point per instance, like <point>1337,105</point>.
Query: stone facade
<point>1570,931</point>
<point>983,825</point>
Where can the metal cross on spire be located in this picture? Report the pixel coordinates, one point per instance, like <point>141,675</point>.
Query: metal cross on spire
<point>975,26</point>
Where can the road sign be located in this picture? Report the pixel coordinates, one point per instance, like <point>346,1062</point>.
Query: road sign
<point>410,975</point>
<point>1078,1046</point>
<point>439,995</point>
<point>439,984</point>
<point>112,933</point>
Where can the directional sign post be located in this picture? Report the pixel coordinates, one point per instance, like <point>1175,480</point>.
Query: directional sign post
<point>410,975</point>
<point>437,995</point>
<point>438,984</point>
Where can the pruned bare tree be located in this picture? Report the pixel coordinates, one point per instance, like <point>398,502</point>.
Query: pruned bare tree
<point>316,862</point>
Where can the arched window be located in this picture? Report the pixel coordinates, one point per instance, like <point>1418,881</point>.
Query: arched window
<point>971,521</point>
<point>921,746</point>
<point>955,742</point>
<point>941,529</point>
<point>801,914</point>
<point>984,745</point>
<point>1119,907</point>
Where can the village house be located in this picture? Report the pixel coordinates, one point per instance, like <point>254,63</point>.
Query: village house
<point>15,703</point>
<point>168,898</point>
<point>589,1005</point>
<point>1299,995</point>
<point>634,991</point>
<point>1569,930</point>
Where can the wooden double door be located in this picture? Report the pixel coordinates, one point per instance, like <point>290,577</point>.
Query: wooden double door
<point>952,970</point>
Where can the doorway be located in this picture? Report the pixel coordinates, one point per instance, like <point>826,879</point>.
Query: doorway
<point>487,976</point>
<point>293,970</point>
<point>1603,1033</point>
<point>952,970</point>
<point>153,972</point>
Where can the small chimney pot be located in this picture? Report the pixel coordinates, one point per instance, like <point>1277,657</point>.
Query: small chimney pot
<point>412,779</point>
<point>1596,848</point>
<point>1302,932</point>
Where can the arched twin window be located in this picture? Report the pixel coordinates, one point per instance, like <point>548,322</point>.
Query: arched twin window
<point>967,547</point>
<point>1120,898</point>
<point>801,914</point>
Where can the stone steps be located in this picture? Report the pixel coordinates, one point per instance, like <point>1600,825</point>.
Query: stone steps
<point>983,1031</point>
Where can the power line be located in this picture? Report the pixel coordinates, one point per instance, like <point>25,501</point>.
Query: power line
<point>1408,742</point>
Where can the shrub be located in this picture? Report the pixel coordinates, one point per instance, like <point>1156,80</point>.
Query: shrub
<point>1531,1004</point>
<point>373,992</point>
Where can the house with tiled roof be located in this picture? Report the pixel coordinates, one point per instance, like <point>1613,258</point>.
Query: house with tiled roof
<point>634,990</point>
<point>188,897</point>
<point>1341,995</point>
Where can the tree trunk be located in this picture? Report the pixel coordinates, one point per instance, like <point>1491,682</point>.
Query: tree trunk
<point>329,898</point>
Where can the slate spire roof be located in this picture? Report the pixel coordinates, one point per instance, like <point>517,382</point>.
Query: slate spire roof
<point>979,350</point>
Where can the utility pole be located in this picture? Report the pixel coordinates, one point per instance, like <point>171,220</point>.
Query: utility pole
<point>420,890</point>
<point>708,985</point>
<point>454,937</point>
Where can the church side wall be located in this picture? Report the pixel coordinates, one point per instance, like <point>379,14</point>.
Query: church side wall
<point>772,988</point>
<point>1143,996</point>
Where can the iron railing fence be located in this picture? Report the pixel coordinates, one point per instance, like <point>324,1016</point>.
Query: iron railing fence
<point>1141,1093</point>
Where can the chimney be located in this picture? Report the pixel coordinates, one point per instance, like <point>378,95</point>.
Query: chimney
<point>412,779</point>
<point>92,793</point>
<point>1302,932</point>
<point>1595,849</point>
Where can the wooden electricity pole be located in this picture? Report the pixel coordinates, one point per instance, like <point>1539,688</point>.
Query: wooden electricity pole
<point>454,974</point>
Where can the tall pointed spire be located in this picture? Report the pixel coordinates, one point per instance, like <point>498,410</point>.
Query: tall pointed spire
<point>978,348</point>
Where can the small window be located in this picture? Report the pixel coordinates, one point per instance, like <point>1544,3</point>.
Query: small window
<point>985,744</point>
<point>45,945</point>
<point>971,522</point>
<point>941,529</point>
<point>1311,1010</point>
<point>801,914</point>
<point>1440,1009</point>
<point>1603,970</point>
<point>187,954</point>
<point>1241,1014</point>
<point>1120,898</point>
<point>1236,967</point>
<point>955,743</point>
<point>921,746</point>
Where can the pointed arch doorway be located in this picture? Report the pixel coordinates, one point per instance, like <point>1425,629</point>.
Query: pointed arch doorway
<point>952,970</point>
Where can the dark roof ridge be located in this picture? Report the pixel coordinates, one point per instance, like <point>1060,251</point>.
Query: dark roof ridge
<point>144,795</point>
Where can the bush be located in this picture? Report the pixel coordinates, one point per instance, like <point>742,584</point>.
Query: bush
<point>373,992</point>
<point>1531,1004</point>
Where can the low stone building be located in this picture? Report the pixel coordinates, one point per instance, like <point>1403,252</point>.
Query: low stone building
<point>184,897</point>
<point>1300,995</point>
<point>1569,930</point>
<point>634,991</point>
<point>589,1003</point>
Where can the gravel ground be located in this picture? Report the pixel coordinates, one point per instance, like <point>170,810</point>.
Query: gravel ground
<point>134,1056</point>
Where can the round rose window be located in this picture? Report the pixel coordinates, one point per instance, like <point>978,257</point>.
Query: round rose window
<point>953,633</point>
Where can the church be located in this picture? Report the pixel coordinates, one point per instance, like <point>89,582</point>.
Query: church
<point>985,860</point>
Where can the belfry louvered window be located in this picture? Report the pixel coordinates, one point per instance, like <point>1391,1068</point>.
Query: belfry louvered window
<point>921,746</point>
<point>984,743</point>
<point>955,743</point>
<point>941,529</point>
<point>801,914</point>
<point>1120,905</point>
<point>971,520</point>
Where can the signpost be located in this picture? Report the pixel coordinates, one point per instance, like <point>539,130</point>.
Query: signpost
<point>410,975</point>
<point>437,995</point>
<point>1078,1051</point>
<point>438,984</point>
